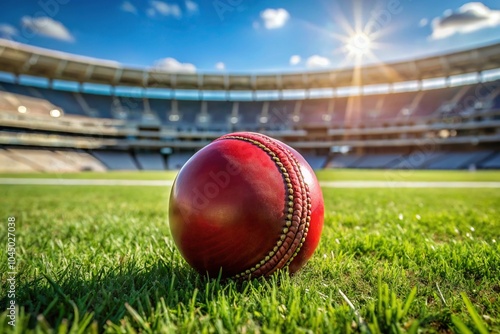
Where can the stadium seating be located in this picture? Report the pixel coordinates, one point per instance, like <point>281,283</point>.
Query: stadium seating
<point>338,111</point>
<point>12,164</point>
<point>131,107</point>
<point>496,102</point>
<point>343,160</point>
<point>82,103</point>
<point>102,104</point>
<point>220,112</point>
<point>459,160</point>
<point>81,161</point>
<point>116,160</point>
<point>12,102</point>
<point>90,120</point>
<point>248,115</point>
<point>376,161</point>
<point>189,111</point>
<point>44,160</point>
<point>281,113</point>
<point>161,108</point>
<point>366,109</point>
<point>432,100</point>
<point>400,106</point>
<point>315,161</point>
<point>418,159</point>
<point>64,100</point>
<point>16,89</point>
<point>492,162</point>
<point>177,160</point>
<point>314,112</point>
<point>150,161</point>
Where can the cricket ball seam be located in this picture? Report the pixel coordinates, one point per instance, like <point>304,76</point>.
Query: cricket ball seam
<point>303,208</point>
<point>297,208</point>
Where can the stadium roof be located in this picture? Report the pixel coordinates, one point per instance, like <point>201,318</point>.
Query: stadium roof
<point>21,59</point>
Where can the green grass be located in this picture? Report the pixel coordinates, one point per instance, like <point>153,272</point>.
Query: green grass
<point>101,259</point>
<point>407,175</point>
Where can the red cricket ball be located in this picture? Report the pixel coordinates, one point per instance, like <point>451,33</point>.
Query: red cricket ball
<point>244,206</point>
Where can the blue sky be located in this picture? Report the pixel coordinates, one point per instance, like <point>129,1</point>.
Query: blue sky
<point>251,36</point>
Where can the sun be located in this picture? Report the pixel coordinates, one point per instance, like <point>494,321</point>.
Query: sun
<point>358,44</point>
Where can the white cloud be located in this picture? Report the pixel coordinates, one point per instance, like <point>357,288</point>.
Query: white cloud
<point>127,6</point>
<point>191,6</point>
<point>423,22</point>
<point>317,62</point>
<point>8,31</point>
<point>295,60</point>
<point>48,27</point>
<point>173,65</point>
<point>274,18</point>
<point>220,66</point>
<point>470,17</point>
<point>164,9</point>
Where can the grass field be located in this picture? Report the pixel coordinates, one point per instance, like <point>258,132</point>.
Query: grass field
<point>93,259</point>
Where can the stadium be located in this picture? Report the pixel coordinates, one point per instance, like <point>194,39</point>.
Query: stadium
<point>407,152</point>
<point>440,112</point>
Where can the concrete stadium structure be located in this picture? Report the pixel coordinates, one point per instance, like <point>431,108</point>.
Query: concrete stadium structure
<point>439,112</point>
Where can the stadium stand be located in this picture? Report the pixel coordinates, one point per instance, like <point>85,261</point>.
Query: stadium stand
<point>189,111</point>
<point>404,105</point>
<point>315,112</point>
<point>444,123</point>
<point>12,163</point>
<point>16,103</point>
<point>431,101</point>
<point>101,104</point>
<point>343,161</point>
<point>248,115</point>
<point>368,109</point>
<point>281,114</point>
<point>459,160</point>
<point>220,115</point>
<point>492,162</point>
<point>150,161</point>
<point>42,160</point>
<point>177,160</point>
<point>82,161</point>
<point>375,110</point>
<point>315,161</point>
<point>82,103</point>
<point>160,108</point>
<point>496,102</point>
<point>376,161</point>
<point>418,159</point>
<point>65,100</point>
<point>116,160</point>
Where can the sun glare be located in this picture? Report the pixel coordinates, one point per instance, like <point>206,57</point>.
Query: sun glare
<point>357,40</point>
<point>358,45</point>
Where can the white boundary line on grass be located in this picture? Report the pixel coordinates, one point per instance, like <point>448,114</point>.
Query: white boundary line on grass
<point>325,184</point>
<point>408,184</point>
<point>86,182</point>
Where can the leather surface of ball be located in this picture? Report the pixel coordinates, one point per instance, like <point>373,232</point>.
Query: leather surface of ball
<point>244,206</point>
